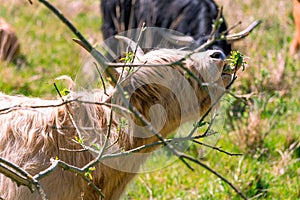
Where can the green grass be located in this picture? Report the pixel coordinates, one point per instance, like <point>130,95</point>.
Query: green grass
<point>47,45</point>
<point>270,170</point>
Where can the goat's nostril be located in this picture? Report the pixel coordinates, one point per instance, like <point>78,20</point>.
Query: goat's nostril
<point>218,55</point>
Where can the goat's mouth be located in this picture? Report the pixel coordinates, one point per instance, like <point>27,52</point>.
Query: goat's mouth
<point>228,73</point>
<point>227,70</point>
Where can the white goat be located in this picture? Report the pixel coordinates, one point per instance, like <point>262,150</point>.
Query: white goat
<point>165,95</point>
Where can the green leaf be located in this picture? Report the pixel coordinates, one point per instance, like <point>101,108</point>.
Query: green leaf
<point>88,173</point>
<point>79,140</point>
<point>129,57</point>
<point>236,60</point>
<point>65,92</point>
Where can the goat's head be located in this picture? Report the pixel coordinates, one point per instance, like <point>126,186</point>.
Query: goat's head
<point>175,87</point>
<point>210,67</point>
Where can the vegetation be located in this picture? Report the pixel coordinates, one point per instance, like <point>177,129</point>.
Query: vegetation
<point>263,123</point>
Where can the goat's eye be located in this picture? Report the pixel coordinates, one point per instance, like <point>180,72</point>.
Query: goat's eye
<point>218,55</point>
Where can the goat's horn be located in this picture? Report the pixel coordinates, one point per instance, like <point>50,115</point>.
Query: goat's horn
<point>178,39</point>
<point>110,73</point>
<point>244,33</point>
<point>133,45</point>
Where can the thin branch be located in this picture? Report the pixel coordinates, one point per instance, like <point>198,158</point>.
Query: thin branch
<point>101,153</point>
<point>101,78</point>
<point>15,174</point>
<point>231,28</point>
<point>21,177</point>
<point>115,142</point>
<point>217,24</point>
<point>111,74</point>
<point>65,166</point>
<point>218,149</point>
<point>20,107</point>
<point>73,150</point>
<point>159,143</point>
<point>58,92</point>
<point>143,28</point>
<point>79,134</point>
<point>215,173</point>
<point>206,114</point>
<point>58,13</point>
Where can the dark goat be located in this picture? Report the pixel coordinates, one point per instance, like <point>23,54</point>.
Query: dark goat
<point>190,17</point>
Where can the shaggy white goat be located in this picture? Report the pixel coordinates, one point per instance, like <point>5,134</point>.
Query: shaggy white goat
<point>165,95</point>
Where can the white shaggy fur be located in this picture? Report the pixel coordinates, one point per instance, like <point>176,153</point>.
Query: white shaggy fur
<point>30,137</point>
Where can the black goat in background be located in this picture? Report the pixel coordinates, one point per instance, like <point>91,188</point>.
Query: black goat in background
<point>190,17</point>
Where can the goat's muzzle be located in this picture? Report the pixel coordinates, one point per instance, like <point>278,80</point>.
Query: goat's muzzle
<point>220,59</point>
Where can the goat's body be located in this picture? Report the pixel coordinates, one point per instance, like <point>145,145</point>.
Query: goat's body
<point>29,137</point>
<point>190,17</point>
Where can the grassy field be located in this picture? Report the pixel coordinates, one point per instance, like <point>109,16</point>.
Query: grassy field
<point>265,129</point>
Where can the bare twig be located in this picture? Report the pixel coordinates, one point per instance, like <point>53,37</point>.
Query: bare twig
<point>215,173</point>
<point>143,28</point>
<point>58,92</point>
<point>79,133</point>
<point>101,78</point>
<point>24,107</point>
<point>21,177</point>
<point>217,24</point>
<point>73,150</point>
<point>231,28</point>
<point>101,153</point>
<point>218,149</point>
<point>109,73</point>
<point>65,166</point>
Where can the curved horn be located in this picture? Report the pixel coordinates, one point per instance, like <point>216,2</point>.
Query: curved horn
<point>244,33</point>
<point>133,45</point>
<point>178,39</point>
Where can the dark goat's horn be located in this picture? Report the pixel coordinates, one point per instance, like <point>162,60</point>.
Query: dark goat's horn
<point>178,39</point>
